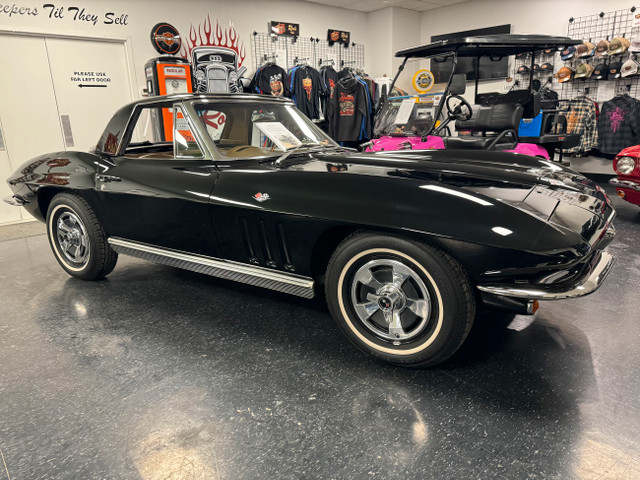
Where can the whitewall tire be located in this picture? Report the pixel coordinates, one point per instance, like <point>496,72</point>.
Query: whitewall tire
<point>399,300</point>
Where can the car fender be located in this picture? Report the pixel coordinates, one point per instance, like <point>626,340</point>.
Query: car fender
<point>36,181</point>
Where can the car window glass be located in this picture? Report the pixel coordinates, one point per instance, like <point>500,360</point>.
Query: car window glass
<point>184,141</point>
<point>148,137</point>
<point>250,129</point>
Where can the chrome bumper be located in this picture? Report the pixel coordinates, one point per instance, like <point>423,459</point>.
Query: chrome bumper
<point>587,283</point>
<point>625,184</point>
<point>14,200</point>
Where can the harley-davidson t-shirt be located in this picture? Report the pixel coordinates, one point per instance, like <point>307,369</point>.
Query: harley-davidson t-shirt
<point>305,88</point>
<point>347,111</point>
<point>271,80</point>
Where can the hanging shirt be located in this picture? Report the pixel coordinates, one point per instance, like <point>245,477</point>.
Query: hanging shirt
<point>619,124</point>
<point>270,79</point>
<point>348,110</point>
<point>329,79</point>
<point>306,88</point>
<point>582,120</point>
<point>367,121</point>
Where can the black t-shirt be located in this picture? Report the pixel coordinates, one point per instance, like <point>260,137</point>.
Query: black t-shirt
<point>306,90</point>
<point>329,79</point>
<point>271,80</point>
<point>347,111</point>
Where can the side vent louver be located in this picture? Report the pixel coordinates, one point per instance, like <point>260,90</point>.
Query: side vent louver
<point>284,251</point>
<point>248,245</point>
<point>271,248</point>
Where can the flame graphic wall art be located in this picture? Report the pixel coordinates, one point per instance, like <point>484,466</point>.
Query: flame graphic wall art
<point>205,35</point>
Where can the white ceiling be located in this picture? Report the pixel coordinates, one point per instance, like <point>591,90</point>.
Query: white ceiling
<point>373,5</point>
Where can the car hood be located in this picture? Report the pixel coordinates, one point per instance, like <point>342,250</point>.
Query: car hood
<point>480,171</point>
<point>560,197</point>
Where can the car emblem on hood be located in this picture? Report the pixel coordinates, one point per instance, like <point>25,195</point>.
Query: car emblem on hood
<point>261,197</point>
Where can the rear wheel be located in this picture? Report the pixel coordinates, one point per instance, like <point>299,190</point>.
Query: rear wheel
<point>402,301</point>
<point>77,239</point>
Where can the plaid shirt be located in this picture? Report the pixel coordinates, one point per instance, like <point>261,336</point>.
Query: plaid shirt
<point>581,119</point>
<point>619,124</point>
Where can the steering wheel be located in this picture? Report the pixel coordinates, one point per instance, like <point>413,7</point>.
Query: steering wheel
<point>462,111</point>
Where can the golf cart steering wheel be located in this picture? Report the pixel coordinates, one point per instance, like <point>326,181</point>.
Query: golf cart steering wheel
<point>461,111</point>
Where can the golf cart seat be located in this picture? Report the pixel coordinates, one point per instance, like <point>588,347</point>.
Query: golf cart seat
<point>501,121</point>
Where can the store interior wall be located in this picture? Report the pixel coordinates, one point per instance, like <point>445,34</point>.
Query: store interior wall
<point>548,17</point>
<point>142,15</point>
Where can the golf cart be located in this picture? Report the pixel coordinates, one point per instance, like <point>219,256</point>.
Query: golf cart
<point>407,122</point>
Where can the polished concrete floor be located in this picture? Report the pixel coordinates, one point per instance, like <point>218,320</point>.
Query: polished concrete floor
<point>157,373</point>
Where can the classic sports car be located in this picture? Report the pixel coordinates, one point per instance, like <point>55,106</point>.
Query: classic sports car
<point>627,166</point>
<point>407,244</point>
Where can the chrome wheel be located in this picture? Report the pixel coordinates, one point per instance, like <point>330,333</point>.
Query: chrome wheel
<point>72,238</point>
<point>391,300</point>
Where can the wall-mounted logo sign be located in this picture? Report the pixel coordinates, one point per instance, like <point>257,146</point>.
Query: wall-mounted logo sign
<point>284,29</point>
<point>165,39</point>
<point>216,57</point>
<point>338,36</point>
<point>423,81</point>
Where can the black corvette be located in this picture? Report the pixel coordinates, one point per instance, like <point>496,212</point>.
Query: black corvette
<point>406,244</point>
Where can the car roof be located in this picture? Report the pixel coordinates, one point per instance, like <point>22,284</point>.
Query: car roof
<point>117,126</point>
<point>489,45</point>
<point>186,97</point>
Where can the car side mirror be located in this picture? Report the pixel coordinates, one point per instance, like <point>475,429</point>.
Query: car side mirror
<point>458,84</point>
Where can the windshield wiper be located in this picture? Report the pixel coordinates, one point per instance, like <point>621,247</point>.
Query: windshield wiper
<point>286,154</point>
<point>309,149</point>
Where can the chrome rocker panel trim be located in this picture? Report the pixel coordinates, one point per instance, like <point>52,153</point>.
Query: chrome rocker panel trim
<point>625,184</point>
<point>588,283</point>
<point>239,272</point>
<point>14,201</point>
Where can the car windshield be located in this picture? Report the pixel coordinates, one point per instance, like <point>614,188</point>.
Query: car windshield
<point>251,129</point>
<point>407,115</point>
<point>411,107</point>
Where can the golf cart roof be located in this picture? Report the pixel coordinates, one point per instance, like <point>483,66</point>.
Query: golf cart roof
<point>489,45</point>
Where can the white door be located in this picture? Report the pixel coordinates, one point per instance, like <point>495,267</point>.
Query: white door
<point>91,81</point>
<point>57,94</point>
<point>28,111</point>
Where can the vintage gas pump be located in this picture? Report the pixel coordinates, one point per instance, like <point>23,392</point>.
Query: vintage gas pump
<point>166,75</point>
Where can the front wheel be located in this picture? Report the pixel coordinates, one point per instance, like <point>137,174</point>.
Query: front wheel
<point>398,300</point>
<point>77,239</point>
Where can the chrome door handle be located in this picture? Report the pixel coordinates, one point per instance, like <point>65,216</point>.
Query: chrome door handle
<point>107,178</point>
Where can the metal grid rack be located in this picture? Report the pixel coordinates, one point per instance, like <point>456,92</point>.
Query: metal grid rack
<point>309,50</point>
<point>352,56</point>
<point>328,54</point>
<point>593,28</point>
<point>267,48</point>
<point>521,80</point>
<point>302,52</point>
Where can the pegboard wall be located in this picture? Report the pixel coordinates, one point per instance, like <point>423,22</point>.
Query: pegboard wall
<point>593,28</point>
<point>305,50</point>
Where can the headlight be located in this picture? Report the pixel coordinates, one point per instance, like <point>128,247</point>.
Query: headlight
<point>200,75</point>
<point>626,165</point>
